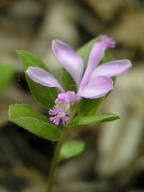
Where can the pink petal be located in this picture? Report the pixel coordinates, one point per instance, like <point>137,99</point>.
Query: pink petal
<point>43,77</point>
<point>69,97</point>
<point>112,68</point>
<point>96,88</point>
<point>72,62</point>
<point>108,41</point>
<point>96,55</point>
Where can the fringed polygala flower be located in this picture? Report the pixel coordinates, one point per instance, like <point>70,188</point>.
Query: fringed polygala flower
<point>92,83</point>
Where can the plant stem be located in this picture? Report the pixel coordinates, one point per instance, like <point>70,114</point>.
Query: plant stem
<point>55,160</point>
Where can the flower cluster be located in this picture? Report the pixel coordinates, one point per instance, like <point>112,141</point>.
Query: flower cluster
<point>92,83</point>
<point>60,113</point>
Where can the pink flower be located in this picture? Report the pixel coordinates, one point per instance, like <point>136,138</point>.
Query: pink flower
<point>92,83</point>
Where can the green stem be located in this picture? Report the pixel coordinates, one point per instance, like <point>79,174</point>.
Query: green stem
<point>55,160</point>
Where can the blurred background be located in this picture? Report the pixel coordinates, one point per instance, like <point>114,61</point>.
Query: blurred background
<point>113,160</point>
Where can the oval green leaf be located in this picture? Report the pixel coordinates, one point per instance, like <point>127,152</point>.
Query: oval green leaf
<point>71,148</point>
<point>29,60</point>
<point>25,116</point>
<point>94,119</point>
<point>6,73</point>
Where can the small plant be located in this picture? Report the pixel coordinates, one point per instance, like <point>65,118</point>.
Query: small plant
<point>71,101</point>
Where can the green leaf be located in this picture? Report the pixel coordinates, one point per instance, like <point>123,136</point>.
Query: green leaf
<point>67,81</point>
<point>94,119</point>
<point>29,60</point>
<point>107,56</point>
<point>44,95</point>
<point>71,148</point>
<point>6,73</point>
<point>26,117</point>
<point>89,106</point>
